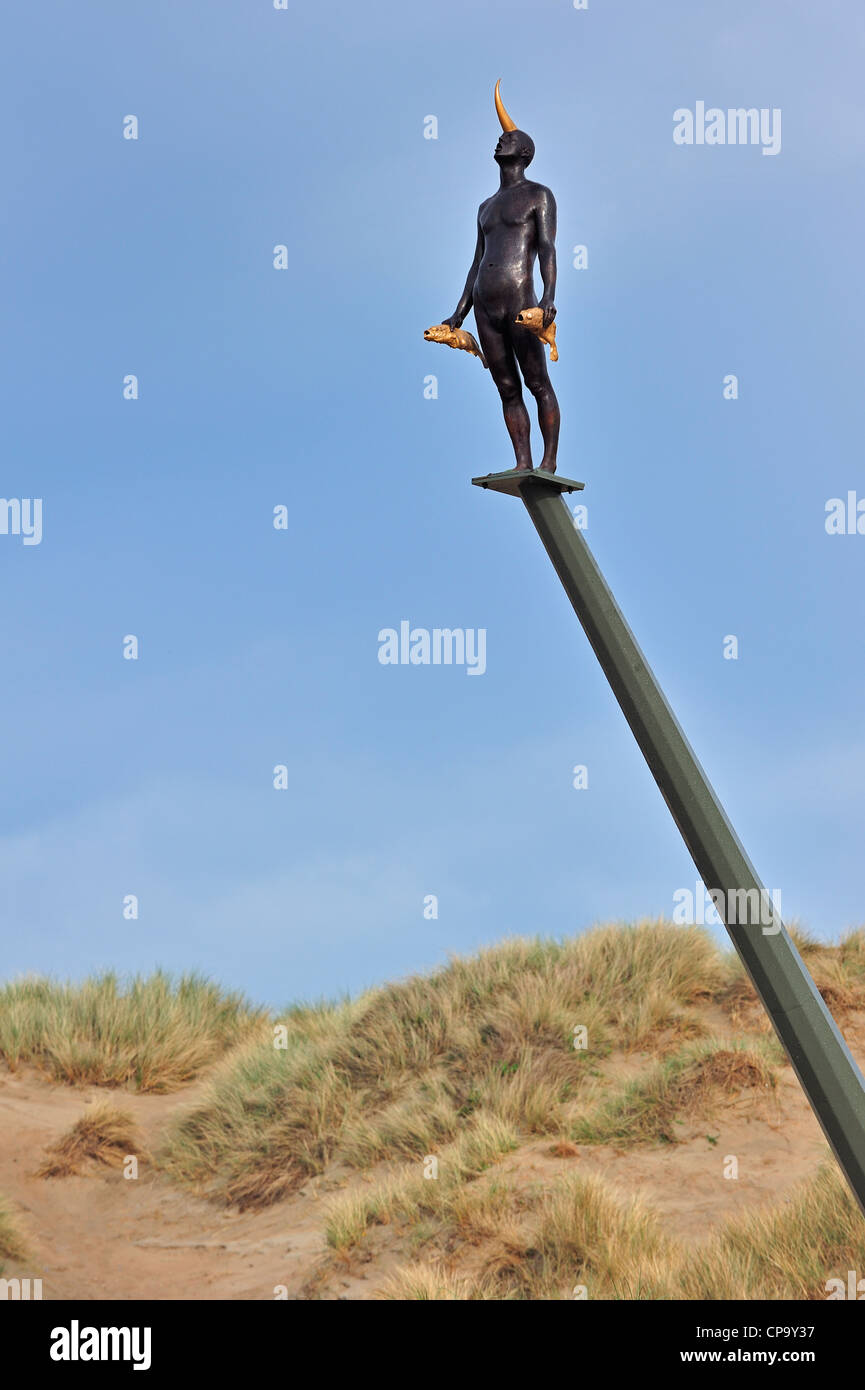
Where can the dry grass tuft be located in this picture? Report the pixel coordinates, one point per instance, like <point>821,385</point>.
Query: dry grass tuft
<point>563,1148</point>
<point>429,1283</point>
<point>105,1136</point>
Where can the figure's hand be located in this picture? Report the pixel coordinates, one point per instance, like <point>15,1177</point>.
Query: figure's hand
<point>455,321</point>
<point>549,309</point>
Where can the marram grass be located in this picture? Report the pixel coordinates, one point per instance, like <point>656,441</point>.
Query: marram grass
<point>152,1034</point>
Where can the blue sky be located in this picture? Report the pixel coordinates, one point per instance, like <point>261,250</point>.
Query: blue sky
<point>304,387</point>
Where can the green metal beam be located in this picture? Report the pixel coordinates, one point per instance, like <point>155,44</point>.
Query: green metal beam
<point>822,1061</point>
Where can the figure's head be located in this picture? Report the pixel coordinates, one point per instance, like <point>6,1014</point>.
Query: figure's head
<point>513,144</point>
<point>516,145</point>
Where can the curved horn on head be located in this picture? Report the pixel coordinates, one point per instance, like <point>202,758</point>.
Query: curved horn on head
<point>507,123</point>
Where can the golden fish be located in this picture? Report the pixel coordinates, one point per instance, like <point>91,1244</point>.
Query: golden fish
<point>455,338</point>
<point>533,319</point>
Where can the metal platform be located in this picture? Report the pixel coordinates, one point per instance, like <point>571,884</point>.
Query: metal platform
<point>516,479</point>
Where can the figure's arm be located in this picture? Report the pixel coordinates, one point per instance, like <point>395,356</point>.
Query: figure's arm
<point>545,216</point>
<point>468,293</point>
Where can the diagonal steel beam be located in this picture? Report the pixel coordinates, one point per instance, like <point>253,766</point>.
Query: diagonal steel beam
<point>820,1057</point>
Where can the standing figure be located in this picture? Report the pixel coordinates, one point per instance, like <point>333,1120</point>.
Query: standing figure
<point>516,227</point>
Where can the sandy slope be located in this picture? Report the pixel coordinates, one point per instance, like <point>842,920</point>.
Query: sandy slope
<point>103,1236</point>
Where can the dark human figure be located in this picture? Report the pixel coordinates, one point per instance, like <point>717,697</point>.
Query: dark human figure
<point>516,226</point>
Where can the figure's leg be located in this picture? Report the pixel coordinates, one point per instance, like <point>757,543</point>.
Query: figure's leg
<point>503,369</point>
<point>533,363</point>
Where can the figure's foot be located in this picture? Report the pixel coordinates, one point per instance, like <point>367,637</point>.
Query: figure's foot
<point>523,468</point>
<point>547,466</point>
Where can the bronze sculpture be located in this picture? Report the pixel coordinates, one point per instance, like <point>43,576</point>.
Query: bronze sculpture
<point>516,227</point>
